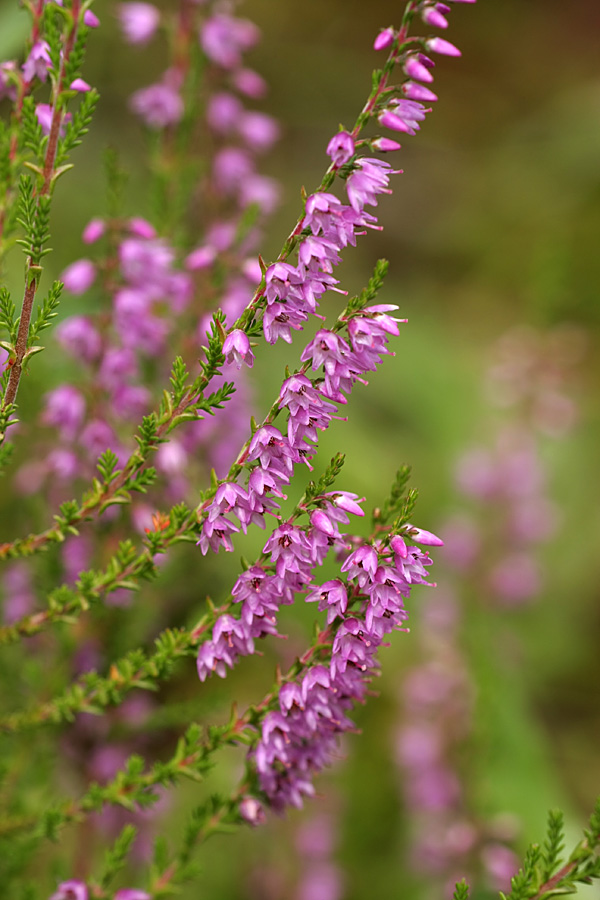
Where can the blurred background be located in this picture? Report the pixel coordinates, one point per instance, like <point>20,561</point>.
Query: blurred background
<point>492,237</point>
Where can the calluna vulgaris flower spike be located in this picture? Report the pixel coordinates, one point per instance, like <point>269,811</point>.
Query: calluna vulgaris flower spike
<point>187,275</point>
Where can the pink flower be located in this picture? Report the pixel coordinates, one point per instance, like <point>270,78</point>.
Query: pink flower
<point>340,148</point>
<point>252,811</point>
<point>38,62</point>
<point>434,15</point>
<point>223,38</point>
<point>79,276</point>
<point>444,48</point>
<point>159,105</point>
<point>8,80</point>
<point>93,231</point>
<point>70,890</point>
<point>138,21</point>
<point>236,349</point>
<point>384,39</point>
<point>80,85</point>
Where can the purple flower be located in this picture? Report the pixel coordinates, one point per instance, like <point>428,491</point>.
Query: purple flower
<point>230,639</point>
<point>44,114</point>
<point>38,62</point>
<point>223,38</point>
<point>216,533</point>
<point>415,91</point>
<point>93,231</point>
<point>224,112</point>
<point>79,337</point>
<point>137,327</point>
<point>341,365</point>
<point>361,565</point>
<point>250,83</point>
<point>231,167</point>
<point>236,349</point>
<point>80,86</point>
<point>200,258</point>
<point>258,130</point>
<point>434,15</point>
<point>252,811</point>
<point>332,597</point>
<point>307,407</point>
<point>141,228</point>
<point>420,536</point>
<point>260,594</point>
<point>96,437</point>
<point>64,408</point>
<point>384,145</point>
<point>159,105</point>
<point>273,452</point>
<point>118,363</point>
<point>138,21</point>
<point>290,550</point>
<point>417,66</point>
<point>369,178</point>
<point>444,48</point>
<point>8,80</point>
<point>79,276</point>
<point>70,890</point>
<point>341,148</point>
<point>402,115</point>
<point>261,191</point>
<point>384,39</point>
<point>90,19</point>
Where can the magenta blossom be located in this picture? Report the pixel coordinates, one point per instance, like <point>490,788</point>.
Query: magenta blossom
<point>38,62</point>
<point>236,349</point>
<point>70,890</point>
<point>384,39</point>
<point>159,105</point>
<point>341,148</point>
<point>138,21</point>
<point>79,276</point>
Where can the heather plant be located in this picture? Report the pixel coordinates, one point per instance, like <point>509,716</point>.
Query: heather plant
<point>151,439</point>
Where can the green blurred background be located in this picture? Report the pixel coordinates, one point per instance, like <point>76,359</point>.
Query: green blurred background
<point>495,223</point>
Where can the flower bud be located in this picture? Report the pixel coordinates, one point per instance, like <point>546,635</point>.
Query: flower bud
<point>444,48</point>
<point>384,39</point>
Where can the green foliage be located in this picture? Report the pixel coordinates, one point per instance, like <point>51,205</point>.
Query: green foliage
<point>554,844</point>
<point>27,211</point>
<point>327,480</point>
<point>74,63</point>
<point>52,27</point>
<point>31,134</point>
<point>369,294</point>
<point>6,454</point>
<point>179,376</point>
<point>34,216</point>
<point>116,856</point>
<point>7,315</point>
<point>214,351</point>
<point>5,162</point>
<point>46,313</point>
<point>396,503</point>
<point>116,179</point>
<point>545,872</point>
<point>77,127</point>
<point>107,466</point>
<point>461,891</point>
<point>147,436</point>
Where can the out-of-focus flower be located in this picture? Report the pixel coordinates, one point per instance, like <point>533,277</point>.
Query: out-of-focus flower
<point>138,21</point>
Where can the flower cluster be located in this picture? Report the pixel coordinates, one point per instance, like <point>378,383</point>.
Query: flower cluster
<point>300,738</point>
<point>78,890</point>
